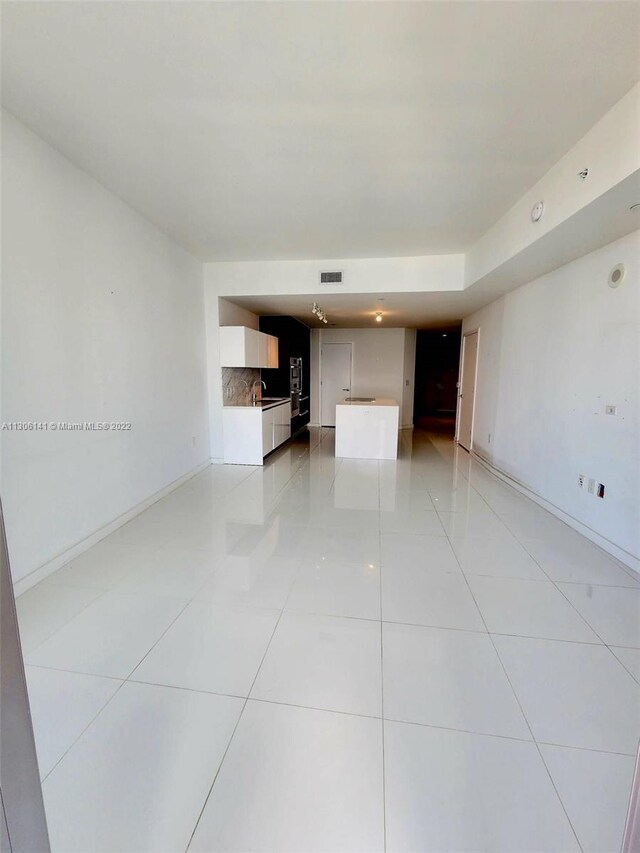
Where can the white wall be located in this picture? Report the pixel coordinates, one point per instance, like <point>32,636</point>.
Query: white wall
<point>552,355</point>
<point>408,377</point>
<point>230,314</point>
<point>102,321</point>
<point>361,275</point>
<point>378,364</point>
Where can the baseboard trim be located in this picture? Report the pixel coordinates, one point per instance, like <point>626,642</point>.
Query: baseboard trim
<point>628,560</point>
<point>51,566</point>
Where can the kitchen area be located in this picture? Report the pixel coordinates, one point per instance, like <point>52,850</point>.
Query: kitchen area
<point>279,375</point>
<point>266,386</point>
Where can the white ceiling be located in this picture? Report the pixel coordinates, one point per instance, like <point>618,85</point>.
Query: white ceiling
<point>317,129</point>
<point>606,219</point>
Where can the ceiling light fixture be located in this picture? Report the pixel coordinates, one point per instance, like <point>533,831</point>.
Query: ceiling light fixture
<point>378,316</point>
<point>317,310</point>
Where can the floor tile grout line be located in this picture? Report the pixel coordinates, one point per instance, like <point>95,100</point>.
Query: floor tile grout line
<point>550,580</point>
<point>73,671</point>
<point>619,564</point>
<point>235,728</point>
<point>217,773</point>
<point>148,652</point>
<point>542,569</point>
<point>384,784</point>
<point>562,593</point>
<point>26,654</point>
<point>627,569</point>
<point>635,677</point>
<point>407,722</point>
<point>86,728</point>
<point>516,697</point>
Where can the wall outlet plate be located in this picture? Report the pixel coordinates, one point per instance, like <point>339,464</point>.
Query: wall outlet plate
<point>591,487</point>
<point>581,479</point>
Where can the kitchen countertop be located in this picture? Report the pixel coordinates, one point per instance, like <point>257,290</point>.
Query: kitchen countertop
<point>379,401</point>
<point>260,405</point>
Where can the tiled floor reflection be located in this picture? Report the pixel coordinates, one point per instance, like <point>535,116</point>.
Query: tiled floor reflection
<point>328,654</point>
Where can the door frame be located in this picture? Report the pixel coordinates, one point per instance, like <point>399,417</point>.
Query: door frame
<point>324,344</point>
<point>23,823</point>
<point>475,331</point>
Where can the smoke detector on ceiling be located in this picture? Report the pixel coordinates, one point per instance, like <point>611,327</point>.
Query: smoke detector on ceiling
<point>536,211</point>
<point>616,276</point>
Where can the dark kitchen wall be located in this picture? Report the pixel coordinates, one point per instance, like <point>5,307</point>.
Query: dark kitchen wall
<point>437,362</point>
<point>294,341</point>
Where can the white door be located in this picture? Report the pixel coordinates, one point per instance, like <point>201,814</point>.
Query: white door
<point>335,379</point>
<point>467,389</point>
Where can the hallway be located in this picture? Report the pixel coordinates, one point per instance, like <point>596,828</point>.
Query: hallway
<point>328,654</point>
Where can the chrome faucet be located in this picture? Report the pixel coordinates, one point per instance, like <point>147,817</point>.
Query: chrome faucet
<point>258,382</point>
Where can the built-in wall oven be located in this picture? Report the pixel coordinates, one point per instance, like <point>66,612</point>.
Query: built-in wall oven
<point>298,403</point>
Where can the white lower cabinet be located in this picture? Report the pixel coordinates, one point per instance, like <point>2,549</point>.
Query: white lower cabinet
<point>251,433</point>
<point>268,423</point>
<point>281,424</point>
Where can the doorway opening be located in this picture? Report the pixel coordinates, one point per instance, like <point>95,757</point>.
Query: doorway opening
<point>466,402</point>
<point>436,378</point>
<point>335,379</point>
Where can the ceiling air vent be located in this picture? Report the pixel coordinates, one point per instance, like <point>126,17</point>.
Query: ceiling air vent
<point>331,277</point>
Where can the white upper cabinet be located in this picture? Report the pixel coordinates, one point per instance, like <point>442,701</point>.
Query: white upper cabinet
<point>244,347</point>
<point>269,350</point>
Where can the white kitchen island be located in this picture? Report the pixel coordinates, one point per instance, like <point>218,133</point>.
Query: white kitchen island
<point>367,428</point>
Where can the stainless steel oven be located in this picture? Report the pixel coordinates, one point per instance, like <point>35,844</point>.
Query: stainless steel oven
<point>295,387</point>
<point>296,373</point>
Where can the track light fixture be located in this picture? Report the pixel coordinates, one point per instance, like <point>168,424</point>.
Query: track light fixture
<point>317,310</point>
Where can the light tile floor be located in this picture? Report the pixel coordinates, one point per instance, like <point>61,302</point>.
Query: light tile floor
<point>328,654</point>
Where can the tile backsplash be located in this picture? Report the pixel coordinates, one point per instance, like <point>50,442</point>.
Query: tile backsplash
<point>236,384</point>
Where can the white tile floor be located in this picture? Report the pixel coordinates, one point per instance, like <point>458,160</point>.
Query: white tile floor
<point>337,655</point>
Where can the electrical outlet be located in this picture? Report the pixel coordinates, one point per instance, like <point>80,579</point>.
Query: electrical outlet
<point>600,490</point>
<point>591,486</point>
<point>581,479</point>
<point>611,410</point>
<point>489,439</point>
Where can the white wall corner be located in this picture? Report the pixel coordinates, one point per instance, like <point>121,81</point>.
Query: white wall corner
<point>611,152</point>
<point>27,581</point>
